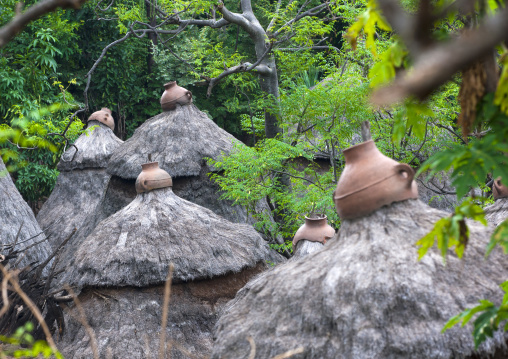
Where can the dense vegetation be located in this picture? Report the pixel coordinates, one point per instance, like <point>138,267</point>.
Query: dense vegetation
<point>328,64</point>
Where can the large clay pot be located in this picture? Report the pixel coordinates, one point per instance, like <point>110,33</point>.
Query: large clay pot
<point>174,95</point>
<point>315,229</point>
<point>499,190</point>
<point>371,180</point>
<point>104,116</point>
<point>152,177</point>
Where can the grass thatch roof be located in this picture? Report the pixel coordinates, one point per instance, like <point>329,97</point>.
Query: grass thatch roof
<point>136,245</point>
<point>365,295</point>
<point>305,247</point>
<point>498,212</point>
<point>178,140</point>
<point>95,147</point>
<point>18,227</point>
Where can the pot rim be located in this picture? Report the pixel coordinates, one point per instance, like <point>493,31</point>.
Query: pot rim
<point>361,144</point>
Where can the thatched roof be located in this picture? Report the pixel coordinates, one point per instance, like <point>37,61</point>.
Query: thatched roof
<point>136,245</point>
<point>95,147</point>
<point>498,212</point>
<point>81,187</point>
<point>127,321</point>
<point>304,248</point>
<point>365,295</point>
<point>18,227</point>
<point>179,140</point>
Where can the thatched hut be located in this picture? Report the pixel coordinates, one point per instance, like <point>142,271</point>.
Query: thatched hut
<point>20,235</point>
<point>365,294</point>
<point>180,140</point>
<point>123,263</point>
<point>81,197</point>
<point>498,212</point>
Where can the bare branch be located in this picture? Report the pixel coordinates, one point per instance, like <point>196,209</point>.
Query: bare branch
<point>234,18</point>
<point>439,63</point>
<point>34,12</point>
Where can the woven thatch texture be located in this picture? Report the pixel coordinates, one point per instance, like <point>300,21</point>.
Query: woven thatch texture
<point>94,149</point>
<point>178,140</point>
<point>304,248</point>
<point>497,213</point>
<point>128,320</point>
<point>136,245</point>
<point>365,295</point>
<point>15,214</point>
<point>77,195</point>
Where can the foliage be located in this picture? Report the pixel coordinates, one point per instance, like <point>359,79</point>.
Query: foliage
<point>452,231</point>
<point>487,323</point>
<point>22,337</point>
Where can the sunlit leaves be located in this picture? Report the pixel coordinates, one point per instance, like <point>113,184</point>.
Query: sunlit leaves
<point>452,232</point>
<point>367,22</point>
<point>414,115</point>
<point>383,71</point>
<point>489,320</point>
<point>501,95</point>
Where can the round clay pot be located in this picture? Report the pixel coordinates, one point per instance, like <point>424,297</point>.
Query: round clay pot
<point>499,190</point>
<point>174,95</point>
<point>315,229</point>
<point>152,177</point>
<point>104,116</point>
<point>371,180</point>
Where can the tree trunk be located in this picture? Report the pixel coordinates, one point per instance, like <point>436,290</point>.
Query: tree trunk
<point>152,36</point>
<point>270,85</point>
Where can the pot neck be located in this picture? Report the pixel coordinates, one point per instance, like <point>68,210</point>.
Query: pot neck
<point>356,152</point>
<point>169,85</point>
<point>316,222</point>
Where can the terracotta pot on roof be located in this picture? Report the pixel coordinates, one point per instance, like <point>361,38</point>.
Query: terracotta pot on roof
<point>104,116</point>
<point>499,190</point>
<point>152,177</point>
<point>174,95</point>
<point>315,229</point>
<point>371,180</point>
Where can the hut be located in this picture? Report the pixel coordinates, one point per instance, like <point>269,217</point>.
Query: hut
<point>23,242</point>
<point>366,295</point>
<point>122,265</point>
<point>498,212</point>
<point>82,194</point>
<point>180,139</point>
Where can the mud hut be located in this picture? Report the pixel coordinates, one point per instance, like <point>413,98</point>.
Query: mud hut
<point>180,139</point>
<point>498,212</point>
<point>365,295</point>
<point>82,194</point>
<point>124,262</point>
<point>23,241</point>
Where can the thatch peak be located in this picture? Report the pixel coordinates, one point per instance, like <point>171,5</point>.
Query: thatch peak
<point>136,245</point>
<point>371,297</point>
<point>92,149</point>
<point>179,140</point>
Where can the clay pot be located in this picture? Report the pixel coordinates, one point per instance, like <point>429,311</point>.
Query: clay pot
<point>499,190</point>
<point>152,177</point>
<point>315,229</point>
<point>173,95</point>
<point>371,180</point>
<point>104,116</point>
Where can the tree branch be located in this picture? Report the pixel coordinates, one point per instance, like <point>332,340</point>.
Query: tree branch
<point>34,12</point>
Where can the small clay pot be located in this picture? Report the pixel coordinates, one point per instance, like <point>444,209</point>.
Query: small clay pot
<point>152,177</point>
<point>174,95</point>
<point>315,229</point>
<point>104,116</point>
<point>499,190</point>
<point>371,180</point>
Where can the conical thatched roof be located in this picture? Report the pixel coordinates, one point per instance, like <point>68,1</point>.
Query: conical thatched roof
<point>498,212</point>
<point>18,227</point>
<point>95,147</point>
<point>136,245</point>
<point>179,140</point>
<point>81,187</point>
<point>365,295</point>
<point>304,248</point>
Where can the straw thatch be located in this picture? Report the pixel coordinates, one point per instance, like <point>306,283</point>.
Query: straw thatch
<point>365,295</point>
<point>136,245</point>
<point>20,233</point>
<point>80,191</point>
<point>304,248</point>
<point>497,213</point>
<point>94,148</point>
<point>127,321</point>
<point>179,140</point>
